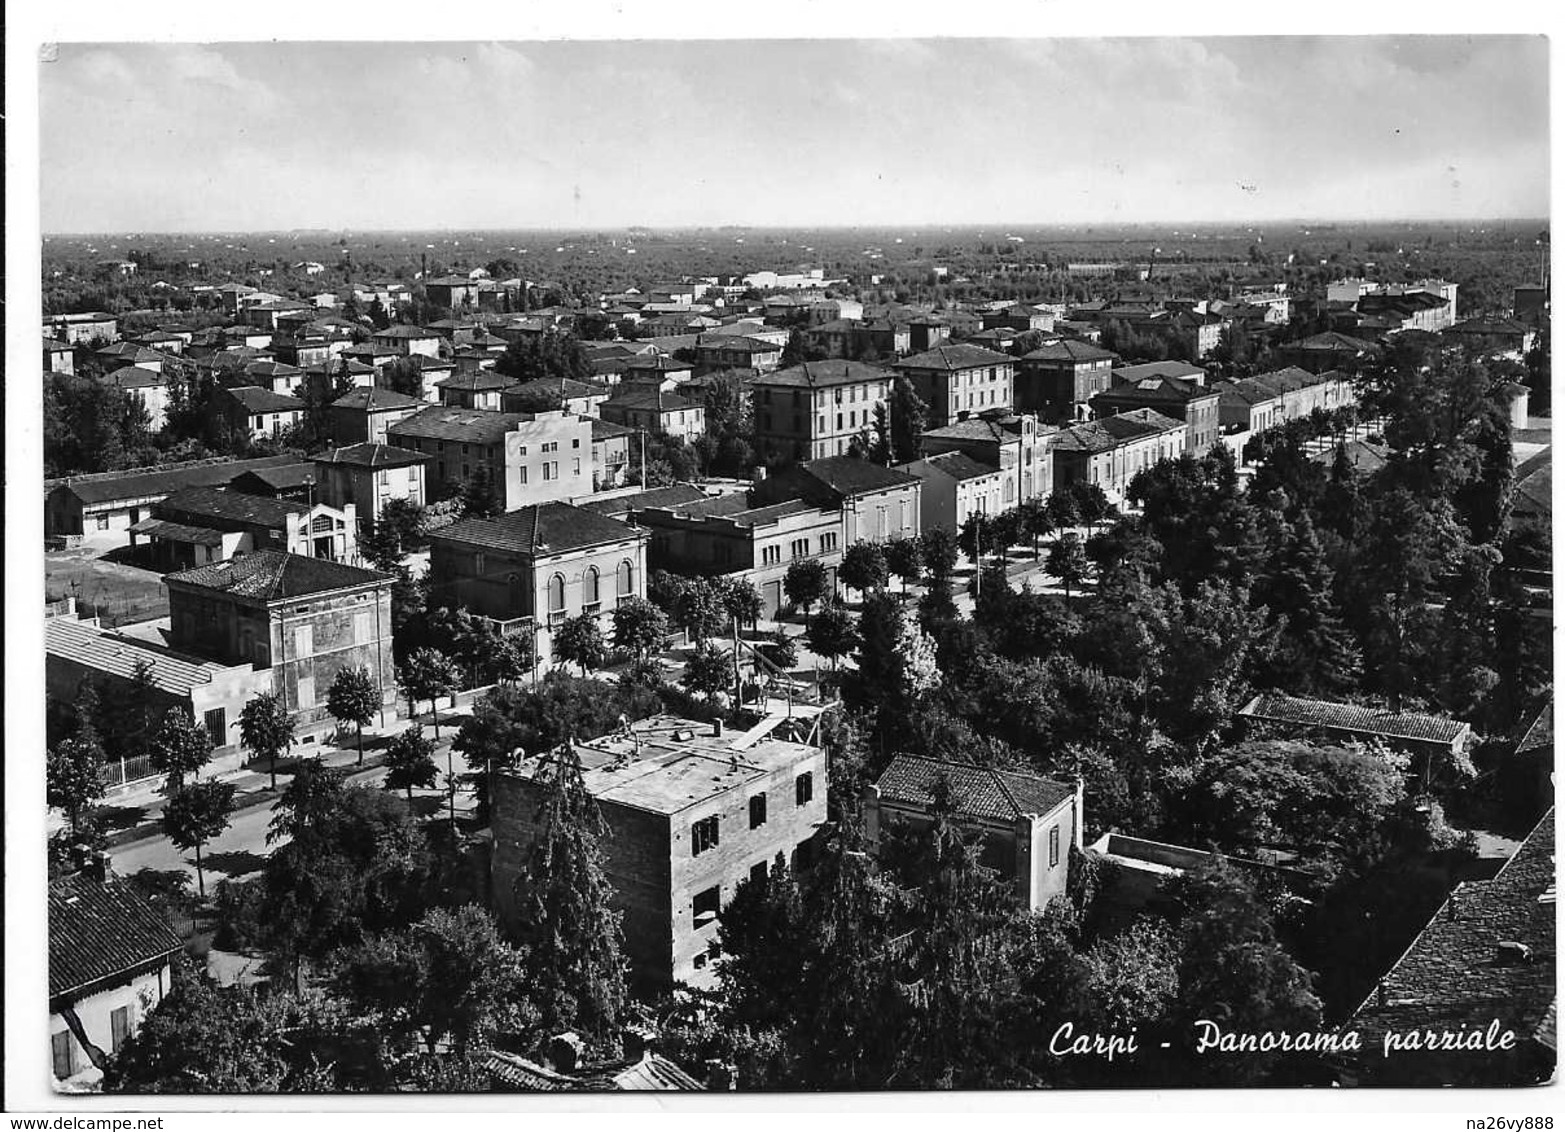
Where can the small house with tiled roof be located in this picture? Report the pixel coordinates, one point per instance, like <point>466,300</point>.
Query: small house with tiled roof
<point>364,415</point>
<point>657,411</point>
<point>737,352</point>
<point>147,387</point>
<point>257,412</point>
<point>1027,824</point>
<point>403,340</point>
<point>959,379</point>
<point>538,566</point>
<point>58,356</point>
<point>110,962</point>
<point>579,397</point>
<point>302,619</point>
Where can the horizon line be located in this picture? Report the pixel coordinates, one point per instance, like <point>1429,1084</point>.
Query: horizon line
<point>838,227</point>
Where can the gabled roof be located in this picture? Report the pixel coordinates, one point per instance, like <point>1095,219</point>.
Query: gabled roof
<point>374,399</point>
<point>955,356</point>
<point>265,367</point>
<point>103,650</point>
<point>658,400</point>
<point>976,791</point>
<point>659,363</point>
<point>1110,432</point>
<point>538,530</point>
<point>272,575</point>
<point>258,400</point>
<point>822,375</point>
<point>372,456</point>
<point>653,1073</point>
<point>284,477</point>
<point>101,930</point>
<point>1274,707</point>
<point>740,343</point>
<point>1335,342</point>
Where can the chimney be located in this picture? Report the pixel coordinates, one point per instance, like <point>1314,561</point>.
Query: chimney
<point>1382,996</point>
<point>94,865</point>
<point>717,729</point>
<point>565,1052</point>
<point>1451,909</point>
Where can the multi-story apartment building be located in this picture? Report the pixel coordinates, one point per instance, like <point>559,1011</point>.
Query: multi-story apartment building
<point>524,458</point>
<point>303,619</point>
<point>1058,381</point>
<point>692,812</point>
<point>813,410</point>
<point>959,380</point>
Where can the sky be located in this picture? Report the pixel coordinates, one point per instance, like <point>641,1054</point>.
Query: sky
<point>610,134</point>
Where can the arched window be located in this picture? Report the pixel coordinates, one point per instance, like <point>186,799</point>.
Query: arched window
<point>557,597</point>
<point>589,588</point>
<point>625,580</point>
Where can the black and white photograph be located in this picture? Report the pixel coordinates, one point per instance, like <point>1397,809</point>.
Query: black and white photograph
<point>785,564</point>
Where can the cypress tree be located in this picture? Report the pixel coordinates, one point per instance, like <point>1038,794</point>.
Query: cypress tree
<point>573,936</point>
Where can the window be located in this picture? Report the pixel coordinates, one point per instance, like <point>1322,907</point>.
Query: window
<point>63,1050</point>
<point>804,789</point>
<point>758,811</point>
<point>577,469</point>
<point>524,474</point>
<point>800,547</point>
<point>625,579</point>
<point>589,588</point>
<point>478,563</point>
<point>703,835</point>
<point>216,722</point>
<point>385,478</point>
<point>521,450</point>
<point>1054,846</point>
<point>839,422</point>
<point>119,1026</point>
<point>556,599</point>
<point>771,555</point>
<point>828,541</point>
<point>576,443</point>
<point>103,522</point>
<point>705,906</point>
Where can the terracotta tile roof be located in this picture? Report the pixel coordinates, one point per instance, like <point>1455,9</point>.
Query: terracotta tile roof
<point>977,791</point>
<point>372,456</point>
<point>444,422</point>
<point>405,333</point>
<point>281,478</point>
<point>272,575</point>
<point>653,1073</point>
<point>483,381</point>
<point>233,506</point>
<point>1276,708</point>
<point>821,375</point>
<point>105,651</point>
<point>134,377</point>
<point>957,465</point>
<point>99,930</point>
<point>374,399</point>
<point>1110,432</point>
<point>538,530</point>
<point>1453,976</point>
<point>1335,342</point>
<point>104,487</point>
<point>1159,389</point>
<point>955,356</point>
<point>659,400</point>
<point>178,532</point>
<point>846,476</point>
<point>1183,370</point>
<point>254,399</point>
<point>672,496</point>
